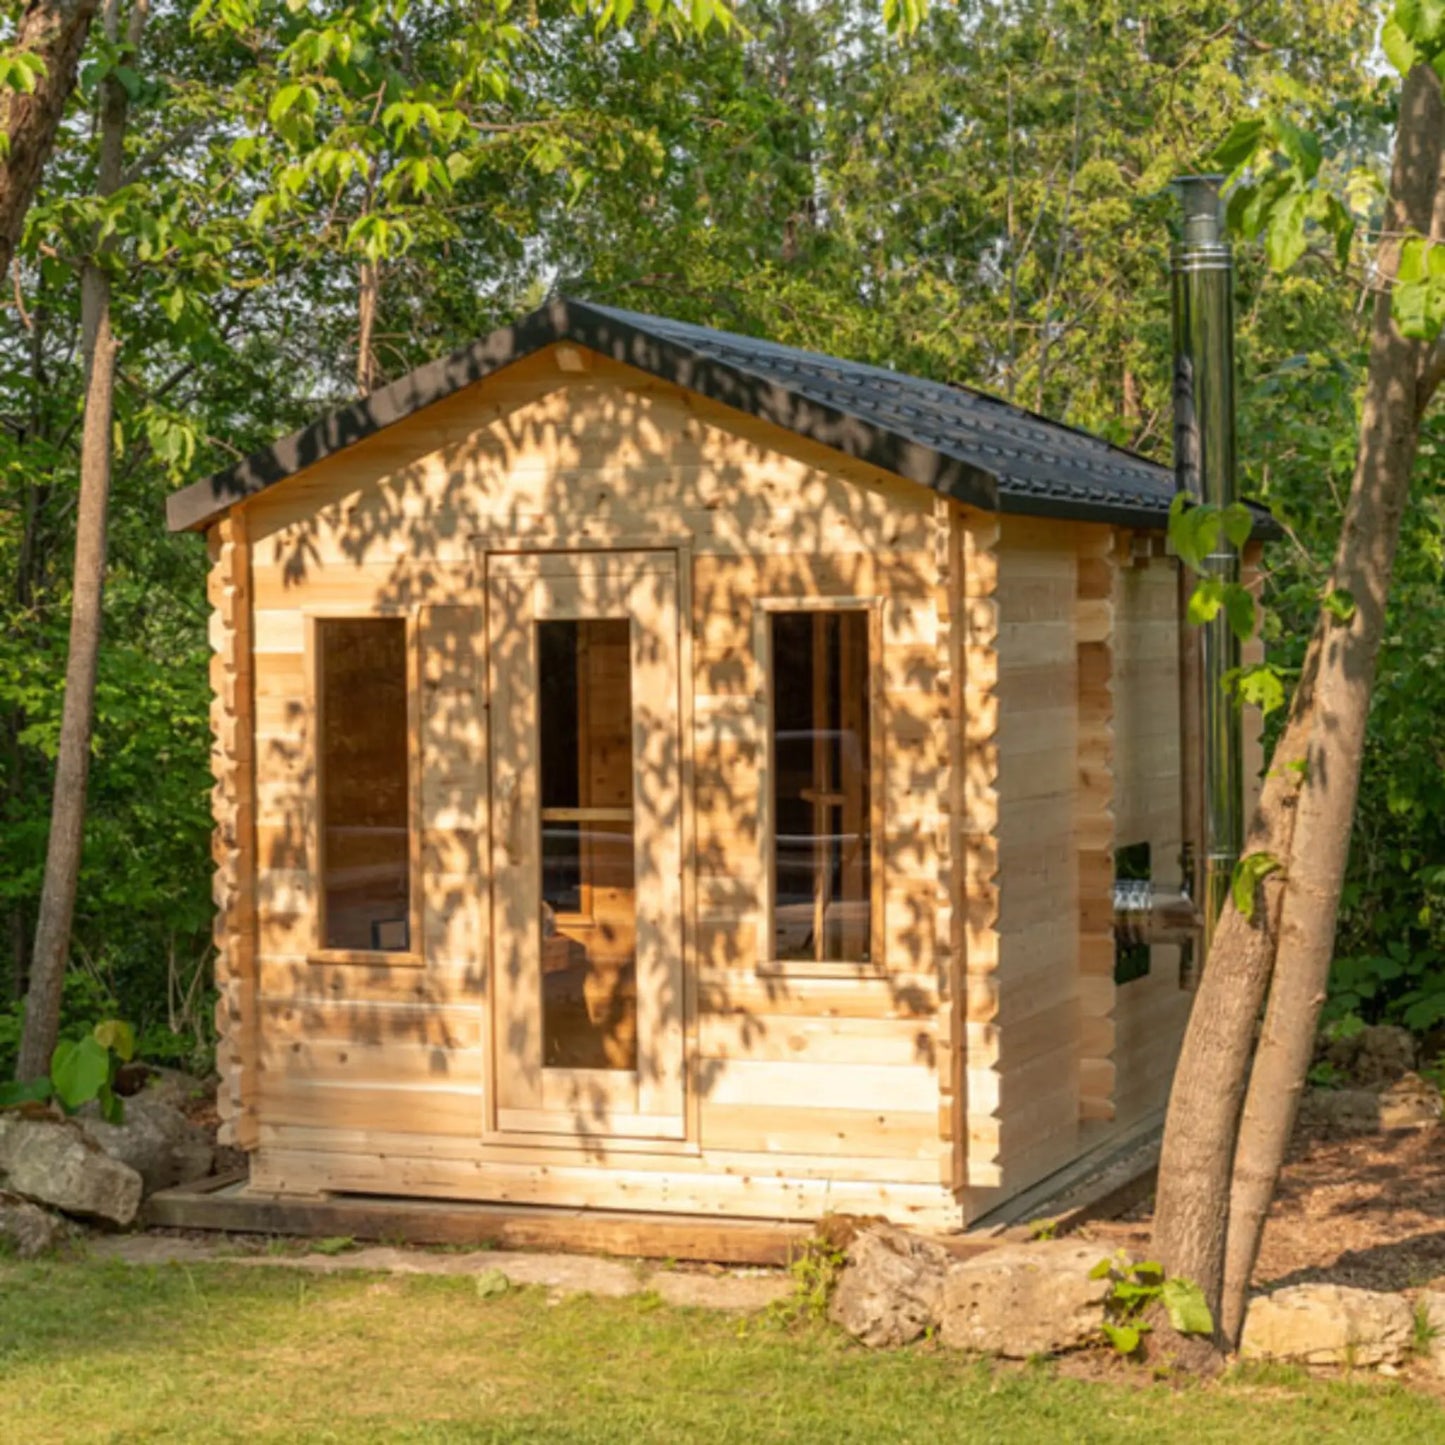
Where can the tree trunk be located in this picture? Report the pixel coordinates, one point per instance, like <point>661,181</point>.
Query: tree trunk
<point>54,30</point>
<point>1197,1156</point>
<point>1364,561</point>
<point>367,296</point>
<point>72,764</point>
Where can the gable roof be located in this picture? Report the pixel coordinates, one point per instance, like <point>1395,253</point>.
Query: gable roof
<point>964,443</point>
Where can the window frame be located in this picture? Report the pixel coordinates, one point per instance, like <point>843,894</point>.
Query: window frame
<point>764,610</point>
<point>318,952</point>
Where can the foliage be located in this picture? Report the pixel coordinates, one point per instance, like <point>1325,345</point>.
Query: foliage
<point>1307,184</point>
<point>81,1071</point>
<point>1249,873</point>
<point>815,1270</point>
<point>1135,1288</point>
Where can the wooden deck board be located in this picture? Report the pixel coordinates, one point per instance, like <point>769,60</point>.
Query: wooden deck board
<point>234,1207</point>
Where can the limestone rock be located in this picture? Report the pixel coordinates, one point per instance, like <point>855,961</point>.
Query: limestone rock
<point>890,1288</point>
<point>1432,1305</point>
<point>26,1229</point>
<point>1344,1111</point>
<point>1377,1054</point>
<point>155,1139</point>
<point>52,1162</point>
<point>1409,1103</point>
<point>1328,1324</point>
<point>175,1087</point>
<point>1024,1300</point>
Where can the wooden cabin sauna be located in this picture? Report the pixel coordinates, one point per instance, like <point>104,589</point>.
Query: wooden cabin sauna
<point>660,770</point>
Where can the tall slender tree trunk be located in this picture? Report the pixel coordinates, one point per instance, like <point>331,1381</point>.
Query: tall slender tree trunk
<point>1364,562</point>
<point>368,294</point>
<point>55,31</point>
<point>72,764</point>
<point>1197,1156</point>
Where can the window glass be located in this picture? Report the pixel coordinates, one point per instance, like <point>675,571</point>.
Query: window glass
<point>365,788</point>
<point>822,839</point>
<point>589,911</point>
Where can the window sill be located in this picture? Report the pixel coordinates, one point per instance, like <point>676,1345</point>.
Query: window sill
<point>366,957</point>
<point>808,968</point>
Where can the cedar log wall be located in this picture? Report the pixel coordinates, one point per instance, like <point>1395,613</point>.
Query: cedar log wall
<point>806,1094</point>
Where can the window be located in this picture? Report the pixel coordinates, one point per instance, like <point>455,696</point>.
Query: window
<point>365,785</point>
<point>589,899</point>
<point>820,750</point>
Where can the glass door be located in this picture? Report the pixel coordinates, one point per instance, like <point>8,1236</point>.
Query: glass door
<point>586,843</point>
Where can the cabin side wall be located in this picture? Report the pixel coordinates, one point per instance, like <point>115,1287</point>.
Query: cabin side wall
<point>1073,755</point>
<point>1149,1012</point>
<point>808,1094</point>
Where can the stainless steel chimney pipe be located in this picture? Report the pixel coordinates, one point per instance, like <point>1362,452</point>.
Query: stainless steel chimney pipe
<point>1204,466</point>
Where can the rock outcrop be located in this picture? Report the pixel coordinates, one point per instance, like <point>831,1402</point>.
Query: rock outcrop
<point>891,1287</point>
<point>1024,1300</point>
<point>1377,1055</point>
<point>1409,1103</point>
<point>155,1139</point>
<point>53,1162</point>
<point>1328,1324</point>
<point>26,1230</point>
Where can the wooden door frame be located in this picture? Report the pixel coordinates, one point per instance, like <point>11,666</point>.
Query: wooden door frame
<point>502,543</point>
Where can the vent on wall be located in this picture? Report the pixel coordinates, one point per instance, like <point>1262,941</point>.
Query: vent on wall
<point>1133,911</point>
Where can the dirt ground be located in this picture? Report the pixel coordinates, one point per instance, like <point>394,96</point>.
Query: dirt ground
<point>1366,1210</point>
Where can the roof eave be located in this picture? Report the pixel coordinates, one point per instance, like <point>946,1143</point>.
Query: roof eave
<point>194,507</point>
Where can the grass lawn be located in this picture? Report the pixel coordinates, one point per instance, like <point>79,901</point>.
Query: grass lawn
<point>104,1351</point>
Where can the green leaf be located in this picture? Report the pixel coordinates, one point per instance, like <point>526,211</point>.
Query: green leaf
<point>111,1108</point>
<point>1205,602</point>
<point>1285,242</point>
<point>1249,872</point>
<point>1132,1295</point>
<point>1301,146</point>
<point>79,1071</point>
<point>1410,306</point>
<point>117,1036</point>
<point>1239,609</point>
<point>1412,265</point>
<point>1124,1338</point>
<point>1258,210</point>
<point>1187,1307</point>
<point>1239,145</point>
<point>1340,604</point>
<point>1261,686</point>
<point>1102,1270</point>
<point>1399,50</point>
<point>492,1283</point>
<point>1238,523</point>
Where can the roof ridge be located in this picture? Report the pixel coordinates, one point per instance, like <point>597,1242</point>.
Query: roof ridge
<point>967,388</point>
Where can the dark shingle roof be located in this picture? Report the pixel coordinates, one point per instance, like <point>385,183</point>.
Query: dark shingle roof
<point>954,439</point>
